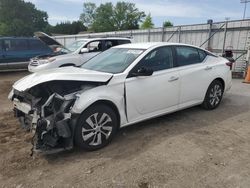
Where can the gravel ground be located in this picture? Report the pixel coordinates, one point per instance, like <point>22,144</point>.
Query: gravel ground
<point>190,148</point>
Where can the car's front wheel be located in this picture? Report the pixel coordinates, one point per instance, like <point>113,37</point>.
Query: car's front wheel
<point>213,96</point>
<point>96,127</point>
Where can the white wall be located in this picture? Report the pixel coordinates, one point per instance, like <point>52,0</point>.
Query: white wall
<point>236,37</point>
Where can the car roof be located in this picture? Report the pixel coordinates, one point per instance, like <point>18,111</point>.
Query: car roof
<point>147,45</point>
<point>106,38</point>
<point>18,38</point>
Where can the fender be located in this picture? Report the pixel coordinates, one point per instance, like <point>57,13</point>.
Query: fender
<point>89,97</point>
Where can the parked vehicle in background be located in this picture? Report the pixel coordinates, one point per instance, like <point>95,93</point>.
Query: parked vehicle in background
<point>16,52</point>
<point>124,85</point>
<point>229,55</point>
<point>58,48</point>
<point>80,51</point>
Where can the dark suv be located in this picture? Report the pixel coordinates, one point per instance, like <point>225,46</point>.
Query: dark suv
<point>15,52</point>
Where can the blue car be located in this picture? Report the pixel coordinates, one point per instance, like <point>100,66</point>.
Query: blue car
<point>15,52</point>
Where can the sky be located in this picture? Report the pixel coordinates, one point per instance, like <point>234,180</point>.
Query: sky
<point>179,12</point>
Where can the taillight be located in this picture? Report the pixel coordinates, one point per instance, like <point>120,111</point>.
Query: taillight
<point>230,64</point>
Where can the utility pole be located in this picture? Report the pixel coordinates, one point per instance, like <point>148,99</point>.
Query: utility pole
<point>245,7</point>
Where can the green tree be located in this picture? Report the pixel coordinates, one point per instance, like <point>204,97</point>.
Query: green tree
<point>148,23</point>
<point>107,17</point>
<point>103,19</point>
<point>19,18</point>
<point>167,24</point>
<point>87,17</point>
<point>66,28</point>
<point>127,16</point>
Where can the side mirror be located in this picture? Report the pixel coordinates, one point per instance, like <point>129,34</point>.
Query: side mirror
<point>84,50</point>
<point>142,71</point>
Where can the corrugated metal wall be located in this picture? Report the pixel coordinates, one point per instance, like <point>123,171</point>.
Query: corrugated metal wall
<point>237,34</point>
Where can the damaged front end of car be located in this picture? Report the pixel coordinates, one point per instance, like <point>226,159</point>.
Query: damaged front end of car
<point>45,109</point>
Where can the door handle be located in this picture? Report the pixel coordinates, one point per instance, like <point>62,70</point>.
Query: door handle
<point>208,68</point>
<point>173,78</point>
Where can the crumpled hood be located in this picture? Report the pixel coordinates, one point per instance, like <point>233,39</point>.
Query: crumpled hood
<point>64,73</point>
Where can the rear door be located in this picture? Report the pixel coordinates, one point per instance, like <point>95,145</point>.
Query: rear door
<point>195,74</point>
<point>3,64</point>
<point>16,53</point>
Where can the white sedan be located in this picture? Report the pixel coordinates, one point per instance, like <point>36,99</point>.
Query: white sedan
<point>85,106</point>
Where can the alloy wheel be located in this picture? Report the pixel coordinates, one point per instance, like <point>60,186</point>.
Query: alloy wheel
<point>98,129</point>
<point>215,95</point>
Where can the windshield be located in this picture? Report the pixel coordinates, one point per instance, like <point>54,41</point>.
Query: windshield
<point>75,45</point>
<point>114,60</point>
<point>64,50</point>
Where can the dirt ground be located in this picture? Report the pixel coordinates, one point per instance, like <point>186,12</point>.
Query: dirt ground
<point>190,148</point>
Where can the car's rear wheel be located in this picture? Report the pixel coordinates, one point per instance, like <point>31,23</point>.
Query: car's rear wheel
<point>96,127</point>
<point>213,95</point>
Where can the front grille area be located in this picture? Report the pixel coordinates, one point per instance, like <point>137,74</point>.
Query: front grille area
<point>34,63</point>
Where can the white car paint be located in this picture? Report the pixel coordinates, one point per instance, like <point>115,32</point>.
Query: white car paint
<point>143,97</point>
<point>72,58</point>
<point>66,73</point>
<point>146,98</point>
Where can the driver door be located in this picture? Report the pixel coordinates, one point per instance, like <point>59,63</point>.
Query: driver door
<point>148,96</point>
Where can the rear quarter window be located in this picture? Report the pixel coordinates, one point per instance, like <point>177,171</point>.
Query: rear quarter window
<point>37,45</point>
<point>202,54</point>
<point>123,42</point>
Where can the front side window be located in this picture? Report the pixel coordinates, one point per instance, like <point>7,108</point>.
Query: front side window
<point>114,60</point>
<point>158,59</point>
<point>95,46</point>
<point>187,55</point>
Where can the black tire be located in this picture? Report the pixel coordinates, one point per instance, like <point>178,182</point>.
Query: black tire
<point>87,132</point>
<point>213,96</point>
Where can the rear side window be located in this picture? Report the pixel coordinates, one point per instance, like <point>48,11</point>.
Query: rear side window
<point>110,43</point>
<point>187,55</point>
<point>15,44</point>
<point>36,45</point>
